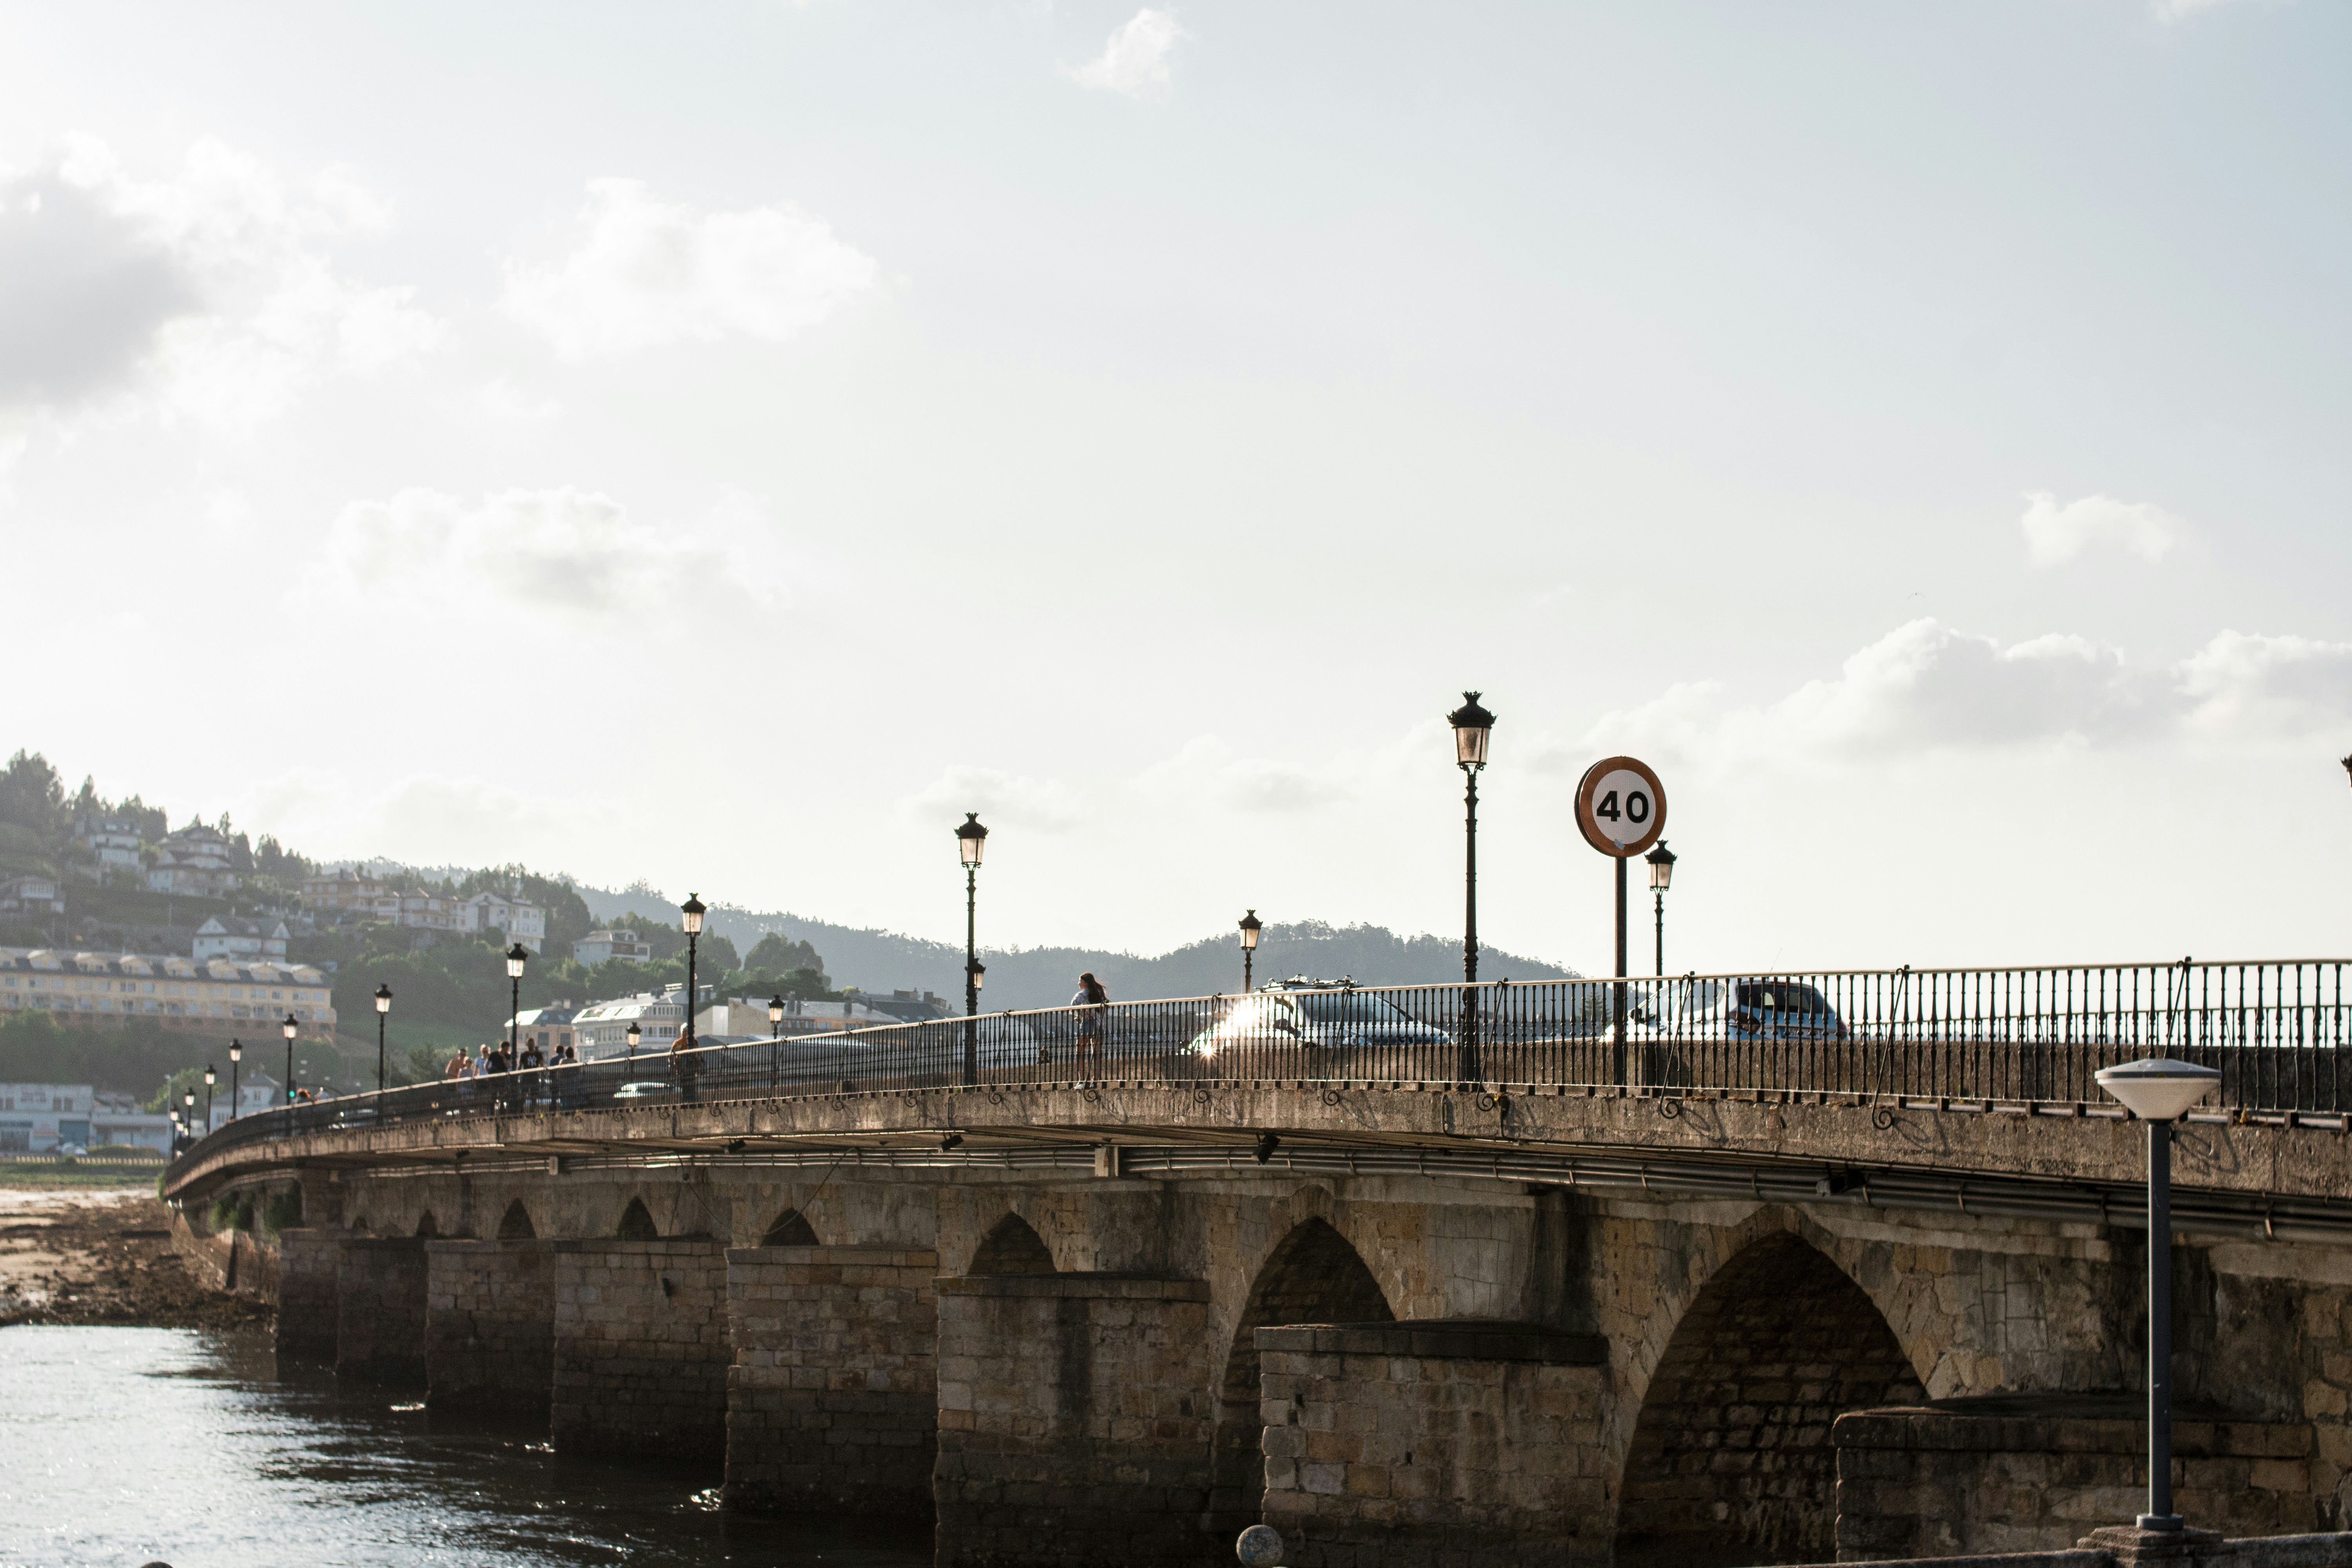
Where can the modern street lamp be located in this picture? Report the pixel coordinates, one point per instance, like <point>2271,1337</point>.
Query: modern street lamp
<point>236,1055</point>
<point>210,1078</point>
<point>971,842</point>
<point>1472,727</point>
<point>383,1008</point>
<point>289,1028</point>
<point>692,911</point>
<point>2159,1091</point>
<point>517,956</point>
<point>1662,876</point>
<point>1251,926</point>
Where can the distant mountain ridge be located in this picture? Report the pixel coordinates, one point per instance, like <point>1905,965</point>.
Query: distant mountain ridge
<point>1045,976</point>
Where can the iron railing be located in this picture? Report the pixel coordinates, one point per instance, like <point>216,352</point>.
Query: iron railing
<point>2275,1029</point>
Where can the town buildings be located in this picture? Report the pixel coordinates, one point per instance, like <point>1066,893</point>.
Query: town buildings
<point>211,996</point>
<point>113,843</point>
<point>46,1118</point>
<point>598,946</point>
<point>195,862</point>
<point>31,896</point>
<point>229,937</point>
<point>368,900</point>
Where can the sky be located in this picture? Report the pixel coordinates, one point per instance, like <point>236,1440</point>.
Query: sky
<point>721,445</point>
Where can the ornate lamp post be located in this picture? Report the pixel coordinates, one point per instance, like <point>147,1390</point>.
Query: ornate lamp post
<point>776,1013</point>
<point>1662,876</point>
<point>691,912</point>
<point>188,1115</point>
<point>971,842</point>
<point>383,1008</point>
<point>1472,727</point>
<point>210,1078</point>
<point>289,1028</point>
<point>236,1055</point>
<point>1251,926</point>
<point>517,956</point>
<point>2159,1091</point>
<point>633,1037</point>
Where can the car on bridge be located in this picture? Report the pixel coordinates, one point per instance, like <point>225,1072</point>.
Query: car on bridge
<point>1315,1016</point>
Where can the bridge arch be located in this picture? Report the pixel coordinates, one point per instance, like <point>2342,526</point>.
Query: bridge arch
<point>1729,1459</point>
<point>1313,1275</point>
<point>1013,1247</point>
<point>790,1229</point>
<point>636,1223</point>
<point>515,1224</point>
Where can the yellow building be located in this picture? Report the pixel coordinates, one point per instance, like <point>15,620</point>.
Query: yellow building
<point>212,996</point>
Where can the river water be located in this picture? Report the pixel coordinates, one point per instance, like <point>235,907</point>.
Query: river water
<point>122,1446</point>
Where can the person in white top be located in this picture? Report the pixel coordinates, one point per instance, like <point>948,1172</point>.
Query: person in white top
<point>1093,1003</point>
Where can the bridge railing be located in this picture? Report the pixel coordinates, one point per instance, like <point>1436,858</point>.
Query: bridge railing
<point>2276,1030</point>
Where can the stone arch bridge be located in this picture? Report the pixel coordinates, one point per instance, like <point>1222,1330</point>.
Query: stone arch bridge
<point>1113,1308</point>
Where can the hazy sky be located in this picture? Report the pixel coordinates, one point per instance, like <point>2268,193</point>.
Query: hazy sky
<point>723,444</point>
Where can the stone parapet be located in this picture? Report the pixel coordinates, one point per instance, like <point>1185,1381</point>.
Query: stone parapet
<point>489,1326</point>
<point>380,1291</point>
<point>2010,1473</point>
<point>832,1399</point>
<point>1435,1442</point>
<point>309,1296</point>
<point>640,1349</point>
<point>1075,1416</point>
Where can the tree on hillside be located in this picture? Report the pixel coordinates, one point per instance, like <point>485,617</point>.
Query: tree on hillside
<point>33,796</point>
<point>776,954</point>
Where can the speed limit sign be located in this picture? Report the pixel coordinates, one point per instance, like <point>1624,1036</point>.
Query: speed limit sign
<point>1621,808</point>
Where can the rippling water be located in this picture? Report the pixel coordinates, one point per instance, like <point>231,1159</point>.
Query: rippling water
<point>126,1445</point>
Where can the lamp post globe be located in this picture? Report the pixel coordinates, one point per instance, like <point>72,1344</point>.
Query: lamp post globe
<point>690,915</point>
<point>290,1029</point>
<point>2159,1091</point>
<point>1661,861</point>
<point>971,843</point>
<point>382,1007</point>
<point>1473,728</point>
<point>1250,926</point>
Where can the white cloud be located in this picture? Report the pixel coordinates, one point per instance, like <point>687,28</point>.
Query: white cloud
<point>430,818</point>
<point>1925,687</point>
<point>1048,805</point>
<point>210,296</point>
<point>564,553</point>
<point>2056,534</point>
<point>647,273</point>
<point>1134,62</point>
<point>1208,771</point>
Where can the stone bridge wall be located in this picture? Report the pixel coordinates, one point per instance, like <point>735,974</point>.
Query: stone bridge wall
<point>1122,1403</point>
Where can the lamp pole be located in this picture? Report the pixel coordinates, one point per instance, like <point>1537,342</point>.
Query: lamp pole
<point>1662,876</point>
<point>382,1007</point>
<point>971,843</point>
<point>633,1035</point>
<point>2159,1091</point>
<point>1471,726</point>
<point>236,1055</point>
<point>188,1116</point>
<point>692,912</point>
<point>290,1029</point>
<point>517,956</point>
<point>1251,926</point>
<point>210,1079</point>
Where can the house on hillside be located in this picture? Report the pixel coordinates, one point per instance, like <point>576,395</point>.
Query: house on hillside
<point>31,896</point>
<point>600,945</point>
<point>342,890</point>
<point>229,937</point>
<point>194,863</point>
<point>524,923</point>
<point>113,842</point>
<point>549,1025</point>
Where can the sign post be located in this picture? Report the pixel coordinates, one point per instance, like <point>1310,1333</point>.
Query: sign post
<point>1621,809</point>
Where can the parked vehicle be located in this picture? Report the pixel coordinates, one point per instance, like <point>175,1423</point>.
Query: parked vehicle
<point>1315,1016</point>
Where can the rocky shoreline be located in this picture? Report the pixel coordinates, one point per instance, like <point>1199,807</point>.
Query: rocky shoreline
<point>104,1258</point>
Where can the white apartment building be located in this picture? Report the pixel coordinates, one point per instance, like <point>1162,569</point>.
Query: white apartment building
<point>348,891</point>
<point>215,996</point>
<point>600,945</point>
<point>34,1118</point>
<point>234,938</point>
